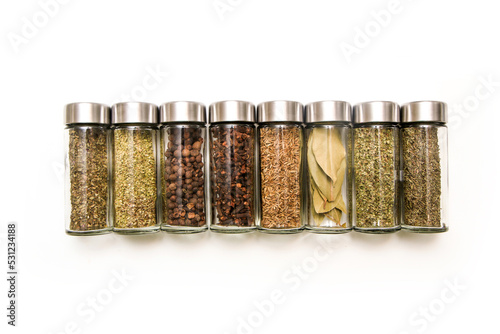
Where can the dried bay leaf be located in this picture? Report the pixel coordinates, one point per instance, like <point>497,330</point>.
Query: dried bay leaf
<point>327,177</point>
<point>328,150</point>
<point>335,215</point>
<point>321,203</point>
<point>324,183</point>
<point>318,217</point>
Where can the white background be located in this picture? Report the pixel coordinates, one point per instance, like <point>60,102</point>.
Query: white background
<point>253,50</point>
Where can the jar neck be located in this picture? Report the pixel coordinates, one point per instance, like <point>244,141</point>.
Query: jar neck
<point>135,126</point>
<point>376,125</point>
<point>423,124</point>
<point>87,125</point>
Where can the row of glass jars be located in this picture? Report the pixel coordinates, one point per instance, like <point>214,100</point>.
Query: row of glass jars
<point>280,168</point>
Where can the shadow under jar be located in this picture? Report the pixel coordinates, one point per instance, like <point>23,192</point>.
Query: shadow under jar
<point>376,167</point>
<point>135,200</point>
<point>280,135</point>
<point>329,163</point>
<point>232,166</point>
<point>182,154</point>
<point>87,169</point>
<point>424,144</point>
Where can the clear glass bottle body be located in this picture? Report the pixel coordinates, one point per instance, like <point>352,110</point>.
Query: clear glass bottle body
<point>135,182</point>
<point>376,165</point>
<point>87,175</point>
<point>183,181</point>
<point>232,177</point>
<point>329,177</point>
<point>282,199</point>
<point>424,148</point>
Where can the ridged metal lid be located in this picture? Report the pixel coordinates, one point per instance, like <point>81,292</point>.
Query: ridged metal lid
<point>376,112</point>
<point>424,111</point>
<point>328,111</point>
<point>231,111</point>
<point>280,111</point>
<point>86,112</point>
<point>182,111</point>
<point>134,112</point>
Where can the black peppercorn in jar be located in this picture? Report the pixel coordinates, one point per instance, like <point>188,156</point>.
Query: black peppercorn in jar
<point>232,166</point>
<point>376,202</point>
<point>424,137</point>
<point>182,156</point>
<point>135,184</point>
<point>87,169</point>
<point>329,164</point>
<point>282,191</point>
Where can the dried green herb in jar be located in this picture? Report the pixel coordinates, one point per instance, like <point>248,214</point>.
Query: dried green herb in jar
<point>88,175</point>
<point>135,187</point>
<point>422,176</point>
<point>280,166</point>
<point>375,165</point>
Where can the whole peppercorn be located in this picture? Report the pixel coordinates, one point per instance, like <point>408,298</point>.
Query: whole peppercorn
<point>184,177</point>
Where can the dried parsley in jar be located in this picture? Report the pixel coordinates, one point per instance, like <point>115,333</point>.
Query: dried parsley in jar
<point>424,138</point>
<point>329,161</point>
<point>232,166</point>
<point>376,167</point>
<point>281,183</point>
<point>135,132</point>
<point>87,167</point>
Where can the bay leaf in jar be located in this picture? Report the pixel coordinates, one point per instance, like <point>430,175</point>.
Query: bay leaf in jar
<point>328,150</point>
<point>322,204</point>
<point>327,166</point>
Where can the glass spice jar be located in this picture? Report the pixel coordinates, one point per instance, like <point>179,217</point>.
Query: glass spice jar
<point>329,164</point>
<point>232,166</point>
<point>182,154</point>
<point>424,146</point>
<point>282,199</point>
<point>87,169</point>
<point>135,184</point>
<point>376,167</point>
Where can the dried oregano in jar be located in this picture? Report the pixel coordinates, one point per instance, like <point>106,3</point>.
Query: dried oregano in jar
<point>135,165</point>
<point>424,145</point>
<point>376,167</point>
<point>280,141</point>
<point>232,166</point>
<point>87,168</point>
<point>183,132</point>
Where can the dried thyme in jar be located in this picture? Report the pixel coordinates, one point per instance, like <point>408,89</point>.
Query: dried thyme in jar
<point>376,167</point>
<point>329,160</point>
<point>87,168</point>
<point>424,145</point>
<point>232,161</point>
<point>183,134</point>
<point>280,144</point>
<point>135,167</point>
